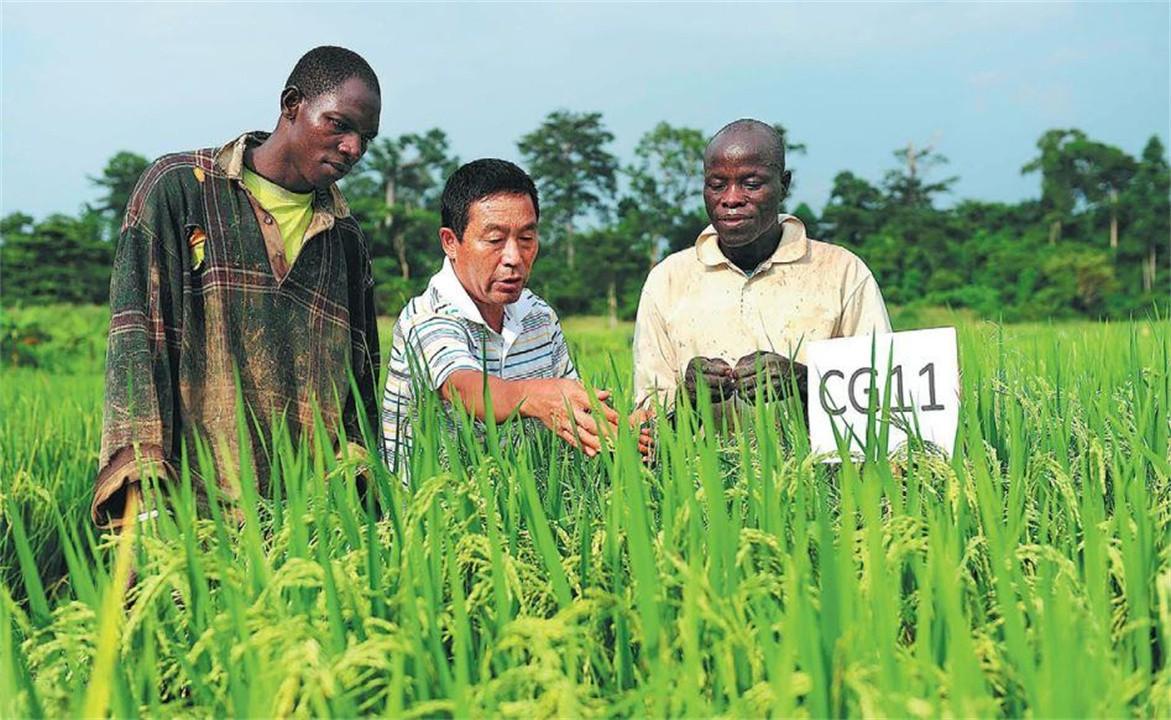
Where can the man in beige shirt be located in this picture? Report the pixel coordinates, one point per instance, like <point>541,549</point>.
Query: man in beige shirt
<point>754,291</point>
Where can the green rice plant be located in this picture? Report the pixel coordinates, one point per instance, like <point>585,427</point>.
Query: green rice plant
<point>1029,574</point>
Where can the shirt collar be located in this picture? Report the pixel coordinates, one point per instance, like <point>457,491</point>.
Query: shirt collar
<point>450,289</point>
<point>794,245</point>
<point>230,160</point>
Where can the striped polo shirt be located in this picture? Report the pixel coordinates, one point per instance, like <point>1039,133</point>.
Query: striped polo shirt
<point>442,331</point>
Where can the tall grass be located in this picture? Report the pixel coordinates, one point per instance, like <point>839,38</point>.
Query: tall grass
<point>1028,574</point>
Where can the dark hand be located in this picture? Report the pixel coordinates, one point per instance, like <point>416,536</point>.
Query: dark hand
<point>771,373</point>
<point>715,373</point>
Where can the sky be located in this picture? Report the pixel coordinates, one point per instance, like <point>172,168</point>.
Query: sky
<point>978,82</point>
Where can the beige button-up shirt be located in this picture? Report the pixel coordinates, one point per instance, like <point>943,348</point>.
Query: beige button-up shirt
<point>696,302</point>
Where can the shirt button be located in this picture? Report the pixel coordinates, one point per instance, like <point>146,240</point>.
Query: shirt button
<point>268,220</point>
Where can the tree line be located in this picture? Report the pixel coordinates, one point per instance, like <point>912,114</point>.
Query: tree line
<point>1095,243</point>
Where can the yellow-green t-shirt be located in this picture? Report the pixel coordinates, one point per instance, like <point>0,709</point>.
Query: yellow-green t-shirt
<point>292,211</point>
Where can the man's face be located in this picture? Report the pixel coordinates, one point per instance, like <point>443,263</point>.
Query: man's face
<point>499,245</point>
<point>742,187</point>
<point>329,133</point>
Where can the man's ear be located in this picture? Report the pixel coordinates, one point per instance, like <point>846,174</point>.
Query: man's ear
<point>786,178</point>
<point>449,242</point>
<point>291,101</point>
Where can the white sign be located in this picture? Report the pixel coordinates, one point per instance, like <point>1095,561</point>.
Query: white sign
<point>851,378</point>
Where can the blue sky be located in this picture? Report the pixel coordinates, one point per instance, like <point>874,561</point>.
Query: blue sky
<point>853,81</point>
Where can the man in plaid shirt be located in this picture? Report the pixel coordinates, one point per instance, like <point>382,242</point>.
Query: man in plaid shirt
<point>241,279</point>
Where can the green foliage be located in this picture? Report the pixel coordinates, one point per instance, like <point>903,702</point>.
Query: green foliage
<point>395,194</point>
<point>615,261</point>
<point>667,177</point>
<point>1145,210</point>
<point>1089,247</point>
<point>807,216</point>
<point>1027,576</point>
<point>1056,165</point>
<point>665,205</point>
<point>1079,277</point>
<point>1094,244</point>
<point>117,180</point>
<point>907,187</point>
<point>412,167</point>
<point>57,338</point>
<point>853,212</point>
<point>576,174</point>
<point>60,259</point>
<point>20,340</point>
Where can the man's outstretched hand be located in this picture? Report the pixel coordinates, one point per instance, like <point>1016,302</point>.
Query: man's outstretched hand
<point>566,407</point>
<point>561,404</point>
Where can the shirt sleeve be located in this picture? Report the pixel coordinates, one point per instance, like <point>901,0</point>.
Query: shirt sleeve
<point>864,311</point>
<point>397,399</point>
<point>563,366</point>
<point>438,346</point>
<point>654,356</point>
<point>138,418</point>
<point>366,364</point>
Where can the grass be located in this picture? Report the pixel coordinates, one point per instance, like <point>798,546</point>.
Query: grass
<point>1028,575</point>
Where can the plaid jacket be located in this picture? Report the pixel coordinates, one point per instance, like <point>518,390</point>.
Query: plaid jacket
<point>201,299</point>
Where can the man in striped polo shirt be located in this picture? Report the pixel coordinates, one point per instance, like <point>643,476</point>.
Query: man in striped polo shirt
<point>476,318</point>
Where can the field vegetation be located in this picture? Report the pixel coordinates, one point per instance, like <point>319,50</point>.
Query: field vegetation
<point>1030,574</point>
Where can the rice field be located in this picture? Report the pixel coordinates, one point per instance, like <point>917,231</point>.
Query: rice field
<point>1029,575</point>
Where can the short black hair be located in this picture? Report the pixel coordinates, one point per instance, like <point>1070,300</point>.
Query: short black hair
<point>326,68</point>
<point>750,125</point>
<point>480,179</point>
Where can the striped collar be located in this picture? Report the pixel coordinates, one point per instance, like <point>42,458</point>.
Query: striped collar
<point>451,291</point>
